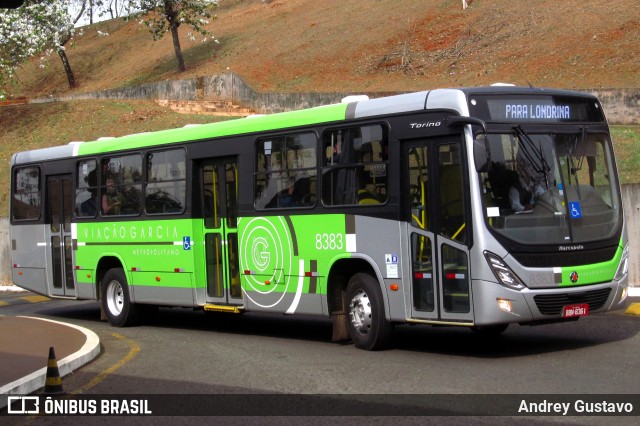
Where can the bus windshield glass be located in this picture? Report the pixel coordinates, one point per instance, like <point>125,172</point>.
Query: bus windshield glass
<point>552,188</point>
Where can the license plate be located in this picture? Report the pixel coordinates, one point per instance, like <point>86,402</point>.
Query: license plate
<point>570,311</point>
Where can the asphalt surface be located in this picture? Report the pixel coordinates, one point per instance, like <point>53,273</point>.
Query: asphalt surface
<point>25,344</point>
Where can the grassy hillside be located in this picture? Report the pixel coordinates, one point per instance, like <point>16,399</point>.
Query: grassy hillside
<point>374,45</point>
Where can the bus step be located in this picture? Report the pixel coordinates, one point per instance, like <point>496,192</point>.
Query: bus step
<point>224,308</point>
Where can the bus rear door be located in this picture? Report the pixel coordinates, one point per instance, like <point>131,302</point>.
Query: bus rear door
<point>60,258</point>
<point>438,231</point>
<point>220,200</point>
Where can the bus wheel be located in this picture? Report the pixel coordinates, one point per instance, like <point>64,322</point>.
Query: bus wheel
<point>116,301</point>
<point>368,327</point>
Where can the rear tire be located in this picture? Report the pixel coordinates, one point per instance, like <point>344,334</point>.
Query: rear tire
<point>116,299</point>
<point>367,324</point>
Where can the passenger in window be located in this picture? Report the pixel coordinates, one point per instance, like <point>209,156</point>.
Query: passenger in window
<point>526,186</point>
<point>131,196</point>
<point>88,207</point>
<point>287,198</point>
<point>336,155</point>
<point>520,199</point>
<point>302,191</point>
<point>112,199</point>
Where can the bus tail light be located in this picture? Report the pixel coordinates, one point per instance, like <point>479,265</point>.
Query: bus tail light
<point>503,273</point>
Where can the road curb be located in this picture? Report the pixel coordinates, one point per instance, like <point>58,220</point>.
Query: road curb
<point>633,309</point>
<point>34,381</point>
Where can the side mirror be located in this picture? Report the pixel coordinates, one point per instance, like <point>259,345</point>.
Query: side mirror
<point>457,120</point>
<point>481,151</point>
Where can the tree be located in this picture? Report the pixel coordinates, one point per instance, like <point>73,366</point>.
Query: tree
<point>94,10</point>
<point>27,31</point>
<point>162,16</point>
<point>116,9</point>
<point>61,32</point>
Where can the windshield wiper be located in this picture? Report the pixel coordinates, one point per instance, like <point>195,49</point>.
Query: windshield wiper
<point>534,154</point>
<point>584,147</point>
<point>572,166</point>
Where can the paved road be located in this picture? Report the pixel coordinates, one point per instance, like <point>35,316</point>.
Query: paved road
<point>191,353</point>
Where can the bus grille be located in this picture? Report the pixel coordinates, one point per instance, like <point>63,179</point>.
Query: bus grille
<point>545,260</point>
<point>551,304</point>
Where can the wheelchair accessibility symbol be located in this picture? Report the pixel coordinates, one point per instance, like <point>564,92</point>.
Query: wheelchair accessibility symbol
<point>186,243</point>
<point>575,210</point>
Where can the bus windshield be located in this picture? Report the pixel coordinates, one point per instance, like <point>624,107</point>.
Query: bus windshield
<point>551,188</point>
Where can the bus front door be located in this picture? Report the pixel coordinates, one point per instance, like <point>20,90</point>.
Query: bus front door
<point>60,257</point>
<point>438,231</point>
<point>219,183</point>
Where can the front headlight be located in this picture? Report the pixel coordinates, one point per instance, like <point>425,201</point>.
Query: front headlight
<point>623,268</point>
<point>503,273</point>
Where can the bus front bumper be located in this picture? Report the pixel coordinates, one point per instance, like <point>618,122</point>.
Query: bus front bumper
<point>496,304</point>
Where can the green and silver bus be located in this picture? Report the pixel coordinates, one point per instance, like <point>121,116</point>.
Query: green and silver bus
<point>475,207</point>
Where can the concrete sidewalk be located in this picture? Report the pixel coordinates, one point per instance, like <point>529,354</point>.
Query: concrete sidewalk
<point>24,352</point>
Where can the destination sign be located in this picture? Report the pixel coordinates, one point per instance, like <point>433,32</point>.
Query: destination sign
<point>537,112</point>
<point>542,109</point>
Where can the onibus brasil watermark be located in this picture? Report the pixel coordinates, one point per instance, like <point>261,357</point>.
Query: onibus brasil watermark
<point>102,406</point>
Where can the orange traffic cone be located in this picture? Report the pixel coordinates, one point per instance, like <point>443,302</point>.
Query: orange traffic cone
<point>53,382</point>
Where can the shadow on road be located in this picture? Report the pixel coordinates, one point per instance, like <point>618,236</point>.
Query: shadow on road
<point>514,342</point>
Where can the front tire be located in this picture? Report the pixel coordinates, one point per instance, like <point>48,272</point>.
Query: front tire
<point>367,324</point>
<point>116,299</point>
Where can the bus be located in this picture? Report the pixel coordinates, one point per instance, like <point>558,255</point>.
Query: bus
<point>472,207</point>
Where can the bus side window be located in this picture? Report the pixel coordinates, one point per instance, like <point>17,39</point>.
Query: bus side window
<point>286,175</point>
<point>87,189</point>
<point>166,182</point>
<point>121,185</point>
<point>26,194</point>
<point>355,166</point>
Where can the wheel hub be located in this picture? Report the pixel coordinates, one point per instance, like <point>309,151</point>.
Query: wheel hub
<point>115,298</point>
<point>360,312</point>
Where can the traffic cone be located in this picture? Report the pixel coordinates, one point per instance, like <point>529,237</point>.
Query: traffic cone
<point>53,382</point>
